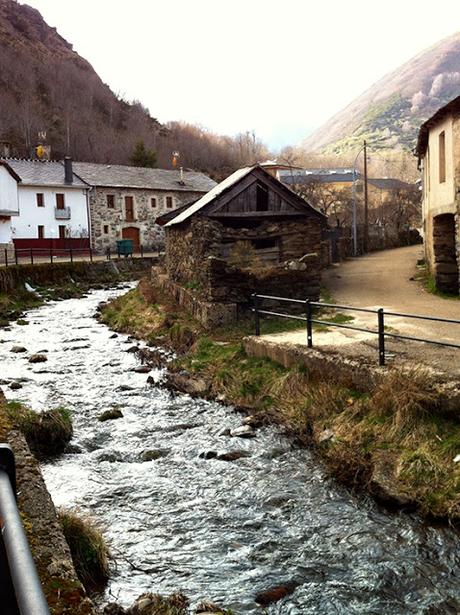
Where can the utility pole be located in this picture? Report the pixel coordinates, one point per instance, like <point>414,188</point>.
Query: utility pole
<point>366,204</point>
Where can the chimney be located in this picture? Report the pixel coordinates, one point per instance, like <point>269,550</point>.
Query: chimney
<point>68,172</point>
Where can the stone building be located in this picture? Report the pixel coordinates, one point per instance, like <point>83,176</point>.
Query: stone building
<point>249,233</point>
<point>438,151</point>
<point>126,201</point>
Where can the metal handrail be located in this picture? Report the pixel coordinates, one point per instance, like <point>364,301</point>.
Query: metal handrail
<point>26,594</point>
<point>380,332</point>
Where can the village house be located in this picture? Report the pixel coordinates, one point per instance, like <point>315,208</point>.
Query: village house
<point>438,151</point>
<point>51,202</point>
<point>249,233</point>
<point>9,207</point>
<point>125,201</point>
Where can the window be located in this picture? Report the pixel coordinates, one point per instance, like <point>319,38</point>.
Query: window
<point>40,199</point>
<point>129,208</point>
<point>60,202</point>
<point>169,202</point>
<point>41,231</point>
<point>442,157</point>
<point>62,232</point>
<point>111,201</point>
<point>106,229</point>
<point>261,198</point>
<point>153,202</point>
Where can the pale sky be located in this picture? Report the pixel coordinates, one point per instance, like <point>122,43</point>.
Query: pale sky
<point>281,68</point>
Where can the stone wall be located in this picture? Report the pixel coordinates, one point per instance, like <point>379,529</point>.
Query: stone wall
<point>151,234</point>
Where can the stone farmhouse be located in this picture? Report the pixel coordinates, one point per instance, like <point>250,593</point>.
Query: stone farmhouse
<point>48,205</point>
<point>249,233</point>
<point>438,151</point>
<point>125,201</point>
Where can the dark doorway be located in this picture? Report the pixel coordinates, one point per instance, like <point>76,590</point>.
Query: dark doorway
<point>446,270</point>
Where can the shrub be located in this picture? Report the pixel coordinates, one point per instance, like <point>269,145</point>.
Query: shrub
<point>47,433</point>
<point>88,549</point>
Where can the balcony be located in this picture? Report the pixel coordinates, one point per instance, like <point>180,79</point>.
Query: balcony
<point>8,212</point>
<point>62,213</point>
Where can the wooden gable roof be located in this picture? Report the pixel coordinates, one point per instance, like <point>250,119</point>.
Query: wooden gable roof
<point>213,203</point>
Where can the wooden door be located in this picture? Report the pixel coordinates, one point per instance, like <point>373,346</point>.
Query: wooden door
<point>133,233</point>
<point>129,208</point>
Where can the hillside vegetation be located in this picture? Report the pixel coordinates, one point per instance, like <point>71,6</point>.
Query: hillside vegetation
<point>388,115</point>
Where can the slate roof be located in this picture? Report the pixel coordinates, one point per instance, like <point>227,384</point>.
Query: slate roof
<point>390,183</point>
<point>184,212</point>
<point>42,173</point>
<point>121,176</point>
<point>320,178</point>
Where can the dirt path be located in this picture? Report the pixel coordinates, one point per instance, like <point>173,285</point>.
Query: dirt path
<point>383,280</point>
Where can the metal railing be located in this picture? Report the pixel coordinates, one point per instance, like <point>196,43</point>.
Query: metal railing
<point>62,213</point>
<point>51,255</point>
<point>380,313</point>
<point>20,588</point>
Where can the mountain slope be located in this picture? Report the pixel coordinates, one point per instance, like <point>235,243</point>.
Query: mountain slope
<point>389,114</point>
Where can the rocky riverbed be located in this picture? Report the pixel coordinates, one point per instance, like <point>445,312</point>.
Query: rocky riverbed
<point>187,505</point>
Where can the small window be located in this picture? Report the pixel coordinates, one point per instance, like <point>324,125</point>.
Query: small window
<point>169,202</point>
<point>40,199</point>
<point>41,231</point>
<point>62,232</point>
<point>153,202</point>
<point>261,198</point>
<point>111,201</point>
<point>442,157</point>
<point>60,202</point>
<point>106,229</point>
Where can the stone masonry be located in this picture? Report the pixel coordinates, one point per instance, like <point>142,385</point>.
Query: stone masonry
<point>107,223</point>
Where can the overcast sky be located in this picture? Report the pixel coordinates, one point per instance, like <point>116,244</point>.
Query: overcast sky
<point>280,68</point>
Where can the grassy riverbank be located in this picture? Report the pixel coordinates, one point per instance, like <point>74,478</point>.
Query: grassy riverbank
<point>396,440</point>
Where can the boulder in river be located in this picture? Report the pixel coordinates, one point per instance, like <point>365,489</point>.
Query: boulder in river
<point>208,455</point>
<point>142,369</point>
<point>14,386</point>
<point>186,383</point>
<point>154,454</point>
<point>275,593</point>
<point>245,431</point>
<point>38,358</point>
<point>132,349</point>
<point>233,455</point>
<point>18,349</point>
<point>111,414</point>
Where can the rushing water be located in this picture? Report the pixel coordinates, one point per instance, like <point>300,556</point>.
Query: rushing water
<point>215,529</point>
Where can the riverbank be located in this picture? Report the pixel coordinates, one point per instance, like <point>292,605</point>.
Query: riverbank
<point>63,590</point>
<point>23,287</point>
<point>394,437</point>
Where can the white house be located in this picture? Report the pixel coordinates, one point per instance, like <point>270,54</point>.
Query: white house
<point>53,205</point>
<point>9,206</point>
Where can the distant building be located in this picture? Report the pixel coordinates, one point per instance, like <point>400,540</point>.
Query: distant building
<point>438,151</point>
<point>52,205</point>
<point>126,201</point>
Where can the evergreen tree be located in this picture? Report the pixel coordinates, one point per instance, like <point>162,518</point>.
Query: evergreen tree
<point>143,157</point>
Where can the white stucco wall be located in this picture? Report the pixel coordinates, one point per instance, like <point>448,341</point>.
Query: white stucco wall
<point>8,192</point>
<point>5,230</point>
<point>25,226</point>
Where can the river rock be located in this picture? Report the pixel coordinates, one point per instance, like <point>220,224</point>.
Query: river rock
<point>150,380</point>
<point>113,336</point>
<point>186,383</point>
<point>113,609</point>
<point>38,358</point>
<point>209,608</point>
<point>245,431</point>
<point>233,455</point>
<point>132,349</point>
<point>154,454</point>
<point>125,387</point>
<point>252,421</point>
<point>326,435</point>
<point>142,369</point>
<point>275,593</point>
<point>208,455</point>
<point>14,386</point>
<point>109,415</point>
<point>225,432</point>
<point>18,349</point>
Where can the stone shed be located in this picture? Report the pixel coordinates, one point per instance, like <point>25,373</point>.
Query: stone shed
<point>249,233</point>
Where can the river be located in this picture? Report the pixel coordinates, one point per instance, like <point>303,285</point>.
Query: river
<point>215,529</point>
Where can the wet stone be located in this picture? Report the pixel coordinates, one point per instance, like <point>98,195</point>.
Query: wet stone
<point>38,358</point>
<point>154,454</point>
<point>109,415</point>
<point>245,431</point>
<point>18,349</point>
<point>275,593</point>
<point>14,386</point>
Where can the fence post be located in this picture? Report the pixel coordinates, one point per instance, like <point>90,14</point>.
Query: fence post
<point>15,255</point>
<point>381,324</point>
<point>108,254</point>
<point>309,327</point>
<point>256,313</point>
<point>31,256</point>
<point>71,255</point>
<point>51,255</point>
<point>142,251</point>
<point>91,254</point>
<point>6,257</point>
